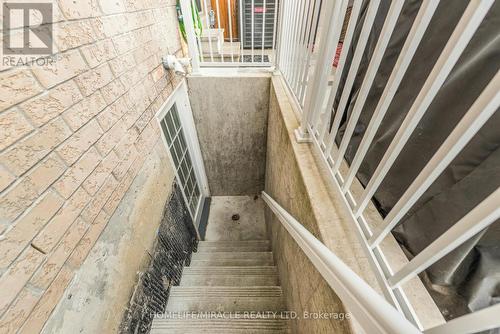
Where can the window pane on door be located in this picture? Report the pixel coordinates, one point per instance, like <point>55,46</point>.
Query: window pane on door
<point>177,145</point>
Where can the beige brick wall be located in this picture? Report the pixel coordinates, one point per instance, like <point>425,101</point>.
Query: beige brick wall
<point>72,138</point>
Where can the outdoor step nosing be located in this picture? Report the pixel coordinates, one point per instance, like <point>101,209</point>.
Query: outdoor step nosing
<point>230,262</point>
<point>229,268</point>
<point>224,275</point>
<point>194,321</point>
<point>210,292</point>
<point>233,255</point>
<point>235,326</point>
<point>225,288</point>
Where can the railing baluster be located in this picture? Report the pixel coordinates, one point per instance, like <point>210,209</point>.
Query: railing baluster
<point>320,112</point>
<point>473,222</point>
<point>376,59</point>
<point>288,47</point>
<point>288,52</point>
<point>371,310</point>
<point>190,34</point>
<point>278,34</point>
<point>218,26</point>
<point>242,37</point>
<point>329,36</point>
<point>209,31</point>
<point>353,70</point>
<point>230,17</point>
<point>473,16</point>
<point>281,37</point>
<point>310,49</point>
<point>415,35</point>
<point>285,36</point>
<point>297,48</point>
<point>276,6</point>
<point>484,107</point>
<point>263,30</point>
<point>253,27</point>
<point>304,49</point>
<point>198,38</point>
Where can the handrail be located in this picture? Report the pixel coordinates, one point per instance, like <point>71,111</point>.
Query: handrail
<point>371,310</point>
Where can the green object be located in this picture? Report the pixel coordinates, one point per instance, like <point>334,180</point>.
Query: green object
<point>198,28</point>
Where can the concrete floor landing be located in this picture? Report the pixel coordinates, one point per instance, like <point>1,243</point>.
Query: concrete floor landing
<point>250,226</point>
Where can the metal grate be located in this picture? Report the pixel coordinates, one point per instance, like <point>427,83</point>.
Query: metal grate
<point>248,58</point>
<point>176,241</point>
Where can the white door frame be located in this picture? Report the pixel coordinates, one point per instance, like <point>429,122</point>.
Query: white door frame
<point>180,98</point>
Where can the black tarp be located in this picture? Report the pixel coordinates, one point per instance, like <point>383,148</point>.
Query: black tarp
<point>468,279</point>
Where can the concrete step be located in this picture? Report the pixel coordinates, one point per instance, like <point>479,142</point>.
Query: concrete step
<point>216,47</point>
<point>225,299</point>
<point>223,326</point>
<point>250,270</point>
<point>212,34</point>
<point>235,48</point>
<point>232,259</point>
<point>230,276</point>
<point>234,246</point>
<point>217,58</point>
<point>232,255</point>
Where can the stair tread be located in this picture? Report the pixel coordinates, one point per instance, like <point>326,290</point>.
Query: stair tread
<point>219,325</point>
<point>234,242</point>
<point>201,317</point>
<point>231,255</point>
<point>222,291</point>
<point>246,247</point>
<point>233,262</point>
<point>194,322</point>
<point>231,270</point>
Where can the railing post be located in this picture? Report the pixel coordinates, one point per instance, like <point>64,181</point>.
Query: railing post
<point>317,85</point>
<point>187,17</point>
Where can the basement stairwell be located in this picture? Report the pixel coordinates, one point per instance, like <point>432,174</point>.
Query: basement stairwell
<point>232,284</point>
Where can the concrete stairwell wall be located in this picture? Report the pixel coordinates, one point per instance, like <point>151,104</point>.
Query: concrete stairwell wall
<point>231,120</point>
<point>305,291</point>
<point>78,139</point>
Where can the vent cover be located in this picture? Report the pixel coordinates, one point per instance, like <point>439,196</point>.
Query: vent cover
<point>258,18</point>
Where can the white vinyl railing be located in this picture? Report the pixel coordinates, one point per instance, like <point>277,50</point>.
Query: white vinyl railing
<point>301,38</point>
<point>297,37</point>
<point>231,33</point>
<point>307,45</point>
<point>371,311</point>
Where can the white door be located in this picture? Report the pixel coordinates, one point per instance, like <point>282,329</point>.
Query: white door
<point>179,135</point>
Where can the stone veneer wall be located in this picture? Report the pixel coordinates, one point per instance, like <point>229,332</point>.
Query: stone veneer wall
<point>73,137</point>
<point>304,288</point>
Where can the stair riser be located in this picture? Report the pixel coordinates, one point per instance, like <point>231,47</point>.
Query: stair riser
<point>211,249</point>
<point>234,255</point>
<point>265,243</point>
<point>187,330</point>
<point>225,280</point>
<point>232,262</point>
<point>224,304</point>
<point>232,271</point>
<point>216,47</point>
